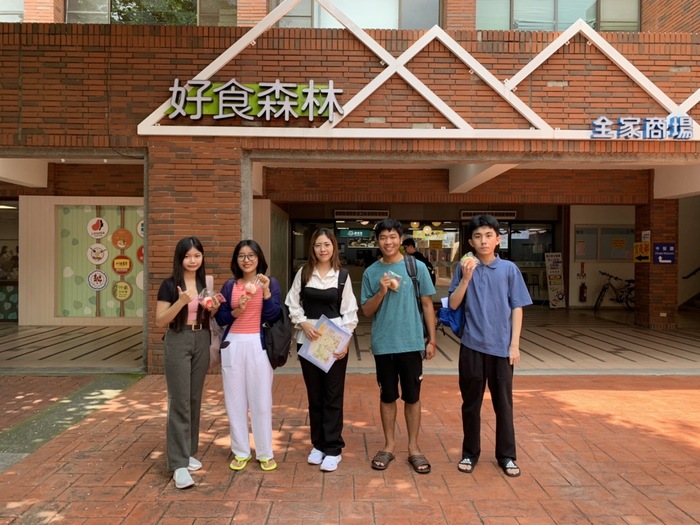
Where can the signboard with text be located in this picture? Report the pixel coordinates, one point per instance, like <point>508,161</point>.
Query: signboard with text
<point>664,253</point>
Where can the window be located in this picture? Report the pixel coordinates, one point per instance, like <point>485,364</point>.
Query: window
<point>87,11</point>
<point>557,15</point>
<point>218,13</point>
<point>152,12</point>
<point>619,15</point>
<point>11,10</point>
<point>370,14</point>
<point>614,243</point>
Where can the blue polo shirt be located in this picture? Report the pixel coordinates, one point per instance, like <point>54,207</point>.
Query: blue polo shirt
<point>495,290</point>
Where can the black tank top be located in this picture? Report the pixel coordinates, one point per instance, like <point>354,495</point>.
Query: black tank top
<point>320,302</point>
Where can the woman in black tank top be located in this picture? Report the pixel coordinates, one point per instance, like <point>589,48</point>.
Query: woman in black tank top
<point>321,287</point>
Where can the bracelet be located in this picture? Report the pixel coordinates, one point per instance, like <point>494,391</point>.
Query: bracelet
<point>434,344</point>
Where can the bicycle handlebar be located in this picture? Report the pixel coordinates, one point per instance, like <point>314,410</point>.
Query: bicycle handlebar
<point>611,276</point>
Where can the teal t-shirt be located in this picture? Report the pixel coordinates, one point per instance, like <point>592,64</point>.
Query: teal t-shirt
<point>396,326</point>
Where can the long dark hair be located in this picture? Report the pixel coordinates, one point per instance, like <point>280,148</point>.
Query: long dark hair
<point>184,246</point>
<point>262,263</point>
<point>312,261</point>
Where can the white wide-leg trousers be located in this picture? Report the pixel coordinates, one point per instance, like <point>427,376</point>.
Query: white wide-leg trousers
<point>247,380</point>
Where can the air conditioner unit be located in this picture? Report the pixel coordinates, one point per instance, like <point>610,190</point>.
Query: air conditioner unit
<point>352,215</point>
<point>501,215</point>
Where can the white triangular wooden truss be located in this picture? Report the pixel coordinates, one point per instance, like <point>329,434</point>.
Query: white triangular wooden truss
<point>462,130</point>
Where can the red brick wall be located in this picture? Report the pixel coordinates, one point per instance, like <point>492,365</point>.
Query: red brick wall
<point>671,16</point>
<point>565,187</point>
<point>90,86</point>
<point>93,180</point>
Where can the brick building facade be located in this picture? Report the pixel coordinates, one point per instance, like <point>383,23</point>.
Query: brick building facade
<point>73,92</point>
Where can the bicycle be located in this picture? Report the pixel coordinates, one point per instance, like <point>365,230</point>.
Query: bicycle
<point>624,293</point>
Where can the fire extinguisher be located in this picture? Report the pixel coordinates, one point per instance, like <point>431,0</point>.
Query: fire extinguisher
<point>583,293</point>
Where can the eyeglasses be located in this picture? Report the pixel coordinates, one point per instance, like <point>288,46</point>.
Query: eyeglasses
<point>247,257</point>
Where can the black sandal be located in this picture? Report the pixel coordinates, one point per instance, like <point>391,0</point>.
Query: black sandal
<point>381,460</point>
<point>510,466</point>
<point>466,466</point>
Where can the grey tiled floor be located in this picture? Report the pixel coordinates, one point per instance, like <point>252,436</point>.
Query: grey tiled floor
<point>552,342</point>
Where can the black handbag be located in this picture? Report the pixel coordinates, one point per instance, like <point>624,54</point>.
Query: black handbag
<point>278,338</point>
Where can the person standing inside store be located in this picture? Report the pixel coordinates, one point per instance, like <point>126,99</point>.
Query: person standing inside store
<point>186,356</point>
<point>316,291</point>
<point>398,345</point>
<point>252,298</point>
<point>409,246</point>
<point>490,347</point>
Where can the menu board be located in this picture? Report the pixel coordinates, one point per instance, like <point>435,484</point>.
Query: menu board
<point>555,279</point>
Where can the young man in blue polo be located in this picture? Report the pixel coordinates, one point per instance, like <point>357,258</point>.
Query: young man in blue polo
<point>398,345</point>
<point>490,346</point>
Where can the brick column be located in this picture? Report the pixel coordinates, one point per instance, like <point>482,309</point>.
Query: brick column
<point>250,12</point>
<point>46,11</point>
<point>193,187</point>
<point>657,284</point>
<point>459,15</point>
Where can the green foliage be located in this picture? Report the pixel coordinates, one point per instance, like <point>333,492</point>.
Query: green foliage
<point>154,12</point>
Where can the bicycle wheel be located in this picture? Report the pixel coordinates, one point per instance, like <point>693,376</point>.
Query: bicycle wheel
<point>629,300</point>
<point>601,295</point>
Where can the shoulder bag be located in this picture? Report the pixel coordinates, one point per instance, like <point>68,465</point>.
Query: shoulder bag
<point>278,338</point>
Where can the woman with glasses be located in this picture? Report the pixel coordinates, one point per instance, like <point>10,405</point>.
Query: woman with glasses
<point>186,356</point>
<point>252,298</point>
<point>321,287</point>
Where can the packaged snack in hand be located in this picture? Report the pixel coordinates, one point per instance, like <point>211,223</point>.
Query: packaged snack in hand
<point>469,255</point>
<point>206,298</point>
<point>395,281</point>
<point>252,288</point>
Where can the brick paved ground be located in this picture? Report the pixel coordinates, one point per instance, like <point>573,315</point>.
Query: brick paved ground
<point>593,449</point>
<point>22,397</point>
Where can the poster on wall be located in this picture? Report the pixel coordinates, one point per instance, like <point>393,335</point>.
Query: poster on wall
<point>100,267</point>
<point>555,280</point>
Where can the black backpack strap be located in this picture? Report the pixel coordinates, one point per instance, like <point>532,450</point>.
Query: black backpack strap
<point>342,277</point>
<point>412,270</point>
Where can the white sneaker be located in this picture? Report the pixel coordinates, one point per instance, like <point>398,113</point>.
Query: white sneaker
<point>195,464</point>
<point>182,478</point>
<point>315,457</point>
<point>330,463</point>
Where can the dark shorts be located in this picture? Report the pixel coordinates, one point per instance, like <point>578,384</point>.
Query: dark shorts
<point>405,368</point>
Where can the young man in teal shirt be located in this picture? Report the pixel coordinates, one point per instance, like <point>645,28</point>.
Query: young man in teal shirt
<point>398,343</point>
<point>490,345</point>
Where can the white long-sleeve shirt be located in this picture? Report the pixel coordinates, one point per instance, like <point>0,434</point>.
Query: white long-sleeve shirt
<point>348,306</point>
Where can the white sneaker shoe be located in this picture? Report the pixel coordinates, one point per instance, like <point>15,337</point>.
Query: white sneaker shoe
<point>195,464</point>
<point>315,457</point>
<point>182,478</point>
<point>330,463</point>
